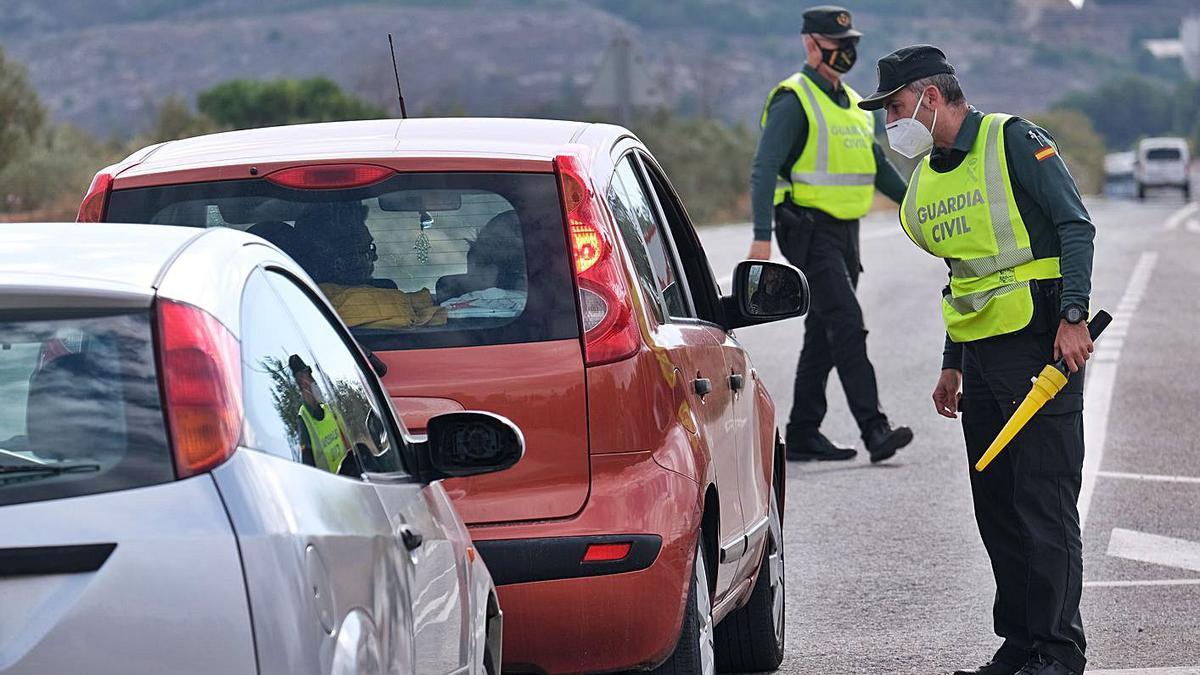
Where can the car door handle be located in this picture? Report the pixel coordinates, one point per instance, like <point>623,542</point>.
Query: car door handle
<point>703,386</point>
<point>737,381</point>
<point>412,540</point>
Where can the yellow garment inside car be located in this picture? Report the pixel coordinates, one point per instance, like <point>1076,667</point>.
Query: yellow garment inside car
<point>371,307</point>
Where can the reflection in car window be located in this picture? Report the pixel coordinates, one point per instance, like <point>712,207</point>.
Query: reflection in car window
<point>414,261</point>
<point>645,237</point>
<point>81,412</point>
<point>349,395</point>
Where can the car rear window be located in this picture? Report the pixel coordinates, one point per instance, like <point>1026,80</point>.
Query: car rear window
<point>81,412</point>
<point>1161,154</point>
<point>415,261</point>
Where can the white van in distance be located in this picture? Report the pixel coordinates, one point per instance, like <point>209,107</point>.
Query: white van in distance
<point>1162,162</point>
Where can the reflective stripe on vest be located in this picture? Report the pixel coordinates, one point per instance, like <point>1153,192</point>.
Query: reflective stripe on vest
<point>842,186</point>
<point>969,217</point>
<point>326,439</point>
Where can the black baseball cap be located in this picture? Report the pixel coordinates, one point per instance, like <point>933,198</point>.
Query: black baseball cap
<point>903,67</point>
<point>829,20</point>
<point>298,365</point>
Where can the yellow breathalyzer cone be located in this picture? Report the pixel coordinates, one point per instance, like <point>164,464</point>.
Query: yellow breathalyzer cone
<point>1047,385</point>
<point>1049,382</point>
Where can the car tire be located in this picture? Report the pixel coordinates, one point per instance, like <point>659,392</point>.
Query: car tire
<point>694,652</point>
<point>751,639</point>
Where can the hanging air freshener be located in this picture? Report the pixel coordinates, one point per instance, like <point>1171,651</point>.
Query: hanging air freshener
<point>422,247</point>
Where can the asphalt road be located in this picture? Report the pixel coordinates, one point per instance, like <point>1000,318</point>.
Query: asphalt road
<point>886,572</point>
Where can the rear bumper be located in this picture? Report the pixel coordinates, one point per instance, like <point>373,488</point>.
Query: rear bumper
<point>565,616</point>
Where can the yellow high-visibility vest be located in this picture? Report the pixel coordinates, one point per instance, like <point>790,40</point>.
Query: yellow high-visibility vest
<point>969,217</point>
<point>325,436</point>
<point>835,172</point>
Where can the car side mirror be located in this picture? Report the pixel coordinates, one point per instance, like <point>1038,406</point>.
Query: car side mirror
<point>471,443</point>
<point>765,291</point>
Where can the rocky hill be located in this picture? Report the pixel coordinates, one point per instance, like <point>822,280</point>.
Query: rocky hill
<point>105,64</point>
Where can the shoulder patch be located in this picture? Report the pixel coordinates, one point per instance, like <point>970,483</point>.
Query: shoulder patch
<point>1045,153</point>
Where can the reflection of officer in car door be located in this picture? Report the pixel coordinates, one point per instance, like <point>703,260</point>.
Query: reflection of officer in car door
<point>323,443</point>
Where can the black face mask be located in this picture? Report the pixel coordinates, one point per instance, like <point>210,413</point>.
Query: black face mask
<point>843,58</point>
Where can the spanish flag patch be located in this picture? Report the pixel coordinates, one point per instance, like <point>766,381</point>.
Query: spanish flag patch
<point>1045,153</point>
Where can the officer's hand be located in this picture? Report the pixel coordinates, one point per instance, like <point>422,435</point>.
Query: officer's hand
<point>946,393</point>
<point>1073,344</point>
<point>760,250</point>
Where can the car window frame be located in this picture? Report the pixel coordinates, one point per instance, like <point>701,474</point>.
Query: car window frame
<point>705,287</point>
<point>633,155</point>
<point>398,436</point>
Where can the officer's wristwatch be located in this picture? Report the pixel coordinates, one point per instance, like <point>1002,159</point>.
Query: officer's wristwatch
<point>1073,314</point>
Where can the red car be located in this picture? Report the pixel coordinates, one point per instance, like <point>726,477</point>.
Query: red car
<point>546,271</point>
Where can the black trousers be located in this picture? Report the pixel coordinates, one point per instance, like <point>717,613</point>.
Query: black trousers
<point>826,250</point>
<point>1026,500</point>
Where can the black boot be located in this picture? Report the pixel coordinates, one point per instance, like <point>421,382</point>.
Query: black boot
<point>883,441</point>
<point>1044,665</point>
<point>991,668</point>
<point>812,446</point>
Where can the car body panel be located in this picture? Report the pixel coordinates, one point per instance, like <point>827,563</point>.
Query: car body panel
<point>541,388</point>
<point>318,551</point>
<point>600,623</point>
<point>170,590</point>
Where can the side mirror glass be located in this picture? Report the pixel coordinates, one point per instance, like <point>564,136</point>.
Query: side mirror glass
<point>379,434</point>
<point>765,291</point>
<point>473,443</point>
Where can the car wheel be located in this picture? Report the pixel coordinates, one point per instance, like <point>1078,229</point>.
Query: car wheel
<point>694,652</point>
<point>751,639</point>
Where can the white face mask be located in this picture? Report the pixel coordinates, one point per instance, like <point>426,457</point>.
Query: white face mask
<point>909,137</point>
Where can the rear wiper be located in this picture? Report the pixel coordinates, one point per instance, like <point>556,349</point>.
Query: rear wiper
<point>47,470</point>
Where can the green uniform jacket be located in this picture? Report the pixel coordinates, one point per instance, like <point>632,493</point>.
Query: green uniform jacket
<point>782,140</point>
<point>1049,202</point>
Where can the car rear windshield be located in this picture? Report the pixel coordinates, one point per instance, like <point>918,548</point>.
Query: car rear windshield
<point>415,261</point>
<point>1164,154</point>
<point>81,411</point>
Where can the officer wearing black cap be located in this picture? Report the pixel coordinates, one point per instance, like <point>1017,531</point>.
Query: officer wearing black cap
<point>815,172</point>
<point>996,202</point>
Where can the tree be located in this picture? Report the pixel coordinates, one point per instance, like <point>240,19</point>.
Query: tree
<point>1082,148</point>
<point>175,119</point>
<point>1124,110</point>
<point>249,104</point>
<point>21,113</point>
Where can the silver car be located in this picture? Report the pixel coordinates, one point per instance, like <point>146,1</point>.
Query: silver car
<point>200,472</point>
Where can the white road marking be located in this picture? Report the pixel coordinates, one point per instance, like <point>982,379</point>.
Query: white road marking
<point>1183,215</point>
<point>1141,582</point>
<point>1177,670</point>
<point>1149,477</point>
<point>1156,549</point>
<point>1101,378</point>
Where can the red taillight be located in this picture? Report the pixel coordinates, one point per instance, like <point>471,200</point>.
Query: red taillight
<point>201,375</point>
<point>606,552</point>
<point>91,210</point>
<point>586,245</point>
<point>330,176</point>
<point>610,331</point>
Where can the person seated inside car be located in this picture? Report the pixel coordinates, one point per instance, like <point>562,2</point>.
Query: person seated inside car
<point>342,262</point>
<point>495,282</point>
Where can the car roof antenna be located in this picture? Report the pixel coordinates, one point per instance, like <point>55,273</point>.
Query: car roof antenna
<point>396,70</point>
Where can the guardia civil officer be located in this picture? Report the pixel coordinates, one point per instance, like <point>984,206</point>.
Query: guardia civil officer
<point>817,168</point>
<point>995,200</point>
